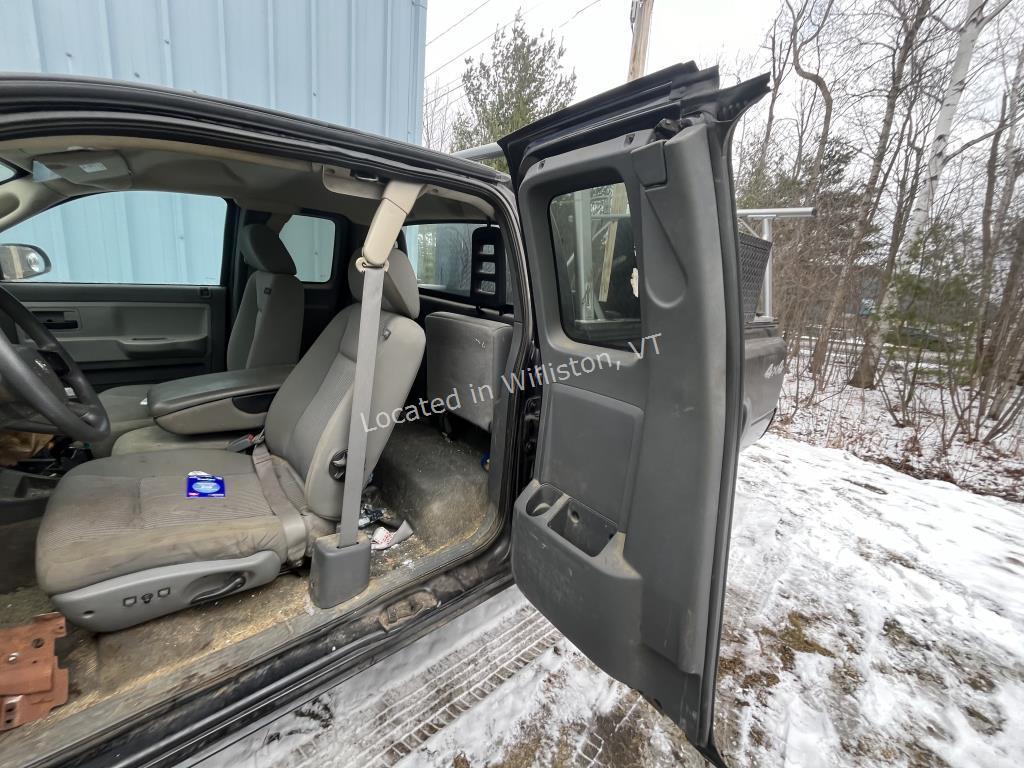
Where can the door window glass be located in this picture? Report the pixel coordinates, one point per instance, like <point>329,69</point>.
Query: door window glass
<point>595,260</point>
<point>441,255</point>
<point>310,241</point>
<point>153,238</point>
<point>6,173</point>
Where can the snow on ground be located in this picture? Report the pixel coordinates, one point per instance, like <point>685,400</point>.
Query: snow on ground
<point>872,619</point>
<point>837,415</point>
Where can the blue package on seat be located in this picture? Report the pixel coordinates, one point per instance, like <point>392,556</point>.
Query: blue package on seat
<point>204,486</point>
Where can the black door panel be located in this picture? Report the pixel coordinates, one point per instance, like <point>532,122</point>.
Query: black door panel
<point>132,334</point>
<point>621,539</point>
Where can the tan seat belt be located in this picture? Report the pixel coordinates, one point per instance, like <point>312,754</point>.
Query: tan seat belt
<point>290,517</point>
<point>341,563</point>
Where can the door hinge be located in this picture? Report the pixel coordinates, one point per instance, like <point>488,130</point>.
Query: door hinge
<point>528,438</point>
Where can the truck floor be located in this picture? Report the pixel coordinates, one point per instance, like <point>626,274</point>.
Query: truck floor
<point>438,485</point>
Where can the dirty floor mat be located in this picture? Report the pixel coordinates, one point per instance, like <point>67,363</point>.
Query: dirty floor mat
<point>435,483</point>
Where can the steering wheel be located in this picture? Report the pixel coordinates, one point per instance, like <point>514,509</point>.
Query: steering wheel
<point>39,376</point>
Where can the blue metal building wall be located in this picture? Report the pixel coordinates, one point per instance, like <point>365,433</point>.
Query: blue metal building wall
<point>358,63</point>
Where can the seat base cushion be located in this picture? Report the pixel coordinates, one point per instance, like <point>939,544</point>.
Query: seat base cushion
<point>156,438</point>
<point>125,514</point>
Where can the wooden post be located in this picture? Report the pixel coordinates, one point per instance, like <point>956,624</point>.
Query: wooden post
<point>640,17</point>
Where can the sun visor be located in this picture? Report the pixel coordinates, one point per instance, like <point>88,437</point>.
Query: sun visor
<point>107,170</point>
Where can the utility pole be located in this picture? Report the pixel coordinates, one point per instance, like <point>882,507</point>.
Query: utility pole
<point>640,19</point>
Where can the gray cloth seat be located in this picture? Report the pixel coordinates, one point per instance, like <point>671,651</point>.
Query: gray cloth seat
<point>153,437</point>
<point>267,330</point>
<point>114,516</point>
<point>117,524</point>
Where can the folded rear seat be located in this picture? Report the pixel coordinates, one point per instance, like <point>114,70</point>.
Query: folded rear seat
<point>467,352</point>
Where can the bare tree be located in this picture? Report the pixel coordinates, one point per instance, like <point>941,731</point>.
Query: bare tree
<point>801,17</point>
<point>438,116</point>
<point>968,33</point>
<point>911,22</point>
<point>780,45</point>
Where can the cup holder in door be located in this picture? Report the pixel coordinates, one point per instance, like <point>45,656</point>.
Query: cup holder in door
<point>542,500</point>
<point>582,527</point>
<point>556,513</point>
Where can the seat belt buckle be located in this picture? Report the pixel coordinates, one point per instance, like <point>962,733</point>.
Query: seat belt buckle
<point>336,469</point>
<point>244,443</point>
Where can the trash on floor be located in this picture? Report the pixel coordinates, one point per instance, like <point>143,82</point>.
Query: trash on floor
<point>369,514</point>
<point>385,538</point>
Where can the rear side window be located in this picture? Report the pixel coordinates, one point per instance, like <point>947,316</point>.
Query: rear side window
<point>441,255</point>
<point>595,263</point>
<point>150,238</point>
<point>6,173</point>
<point>311,241</point>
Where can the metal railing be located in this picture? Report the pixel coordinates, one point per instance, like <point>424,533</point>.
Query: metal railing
<point>767,217</point>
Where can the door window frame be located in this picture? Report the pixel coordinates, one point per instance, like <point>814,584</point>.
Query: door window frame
<point>616,333</point>
<point>226,245</point>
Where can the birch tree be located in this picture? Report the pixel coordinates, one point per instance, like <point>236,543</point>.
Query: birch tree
<point>968,33</point>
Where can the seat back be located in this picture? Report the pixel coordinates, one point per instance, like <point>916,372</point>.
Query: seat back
<point>268,327</point>
<point>308,421</point>
<point>467,354</point>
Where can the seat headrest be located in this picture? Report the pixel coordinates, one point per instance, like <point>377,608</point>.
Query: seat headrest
<point>263,250</point>
<point>401,293</point>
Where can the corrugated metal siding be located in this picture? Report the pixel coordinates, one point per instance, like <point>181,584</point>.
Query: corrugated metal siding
<point>358,63</point>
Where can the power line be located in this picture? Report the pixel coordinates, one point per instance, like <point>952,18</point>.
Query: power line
<point>442,95</point>
<point>581,10</point>
<point>483,39</point>
<point>446,83</point>
<point>453,26</point>
<point>586,7</point>
<point>460,54</point>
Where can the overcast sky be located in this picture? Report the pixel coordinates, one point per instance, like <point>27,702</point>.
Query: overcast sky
<point>596,34</point>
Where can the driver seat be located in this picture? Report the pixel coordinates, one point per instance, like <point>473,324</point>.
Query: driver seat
<point>120,543</point>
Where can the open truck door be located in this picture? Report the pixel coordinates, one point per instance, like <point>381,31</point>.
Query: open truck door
<point>621,539</point>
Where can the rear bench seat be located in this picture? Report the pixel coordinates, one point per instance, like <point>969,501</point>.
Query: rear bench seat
<point>465,352</point>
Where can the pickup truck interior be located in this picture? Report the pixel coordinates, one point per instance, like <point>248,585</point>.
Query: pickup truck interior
<point>247,325</point>
<point>279,397</point>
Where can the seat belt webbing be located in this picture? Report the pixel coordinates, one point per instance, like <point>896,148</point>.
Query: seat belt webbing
<point>283,509</point>
<point>362,394</point>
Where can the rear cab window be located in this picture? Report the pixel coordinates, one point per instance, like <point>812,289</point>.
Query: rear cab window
<point>461,261</point>
<point>311,242</point>
<point>441,255</point>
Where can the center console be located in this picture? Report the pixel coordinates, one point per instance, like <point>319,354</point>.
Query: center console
<point>229,401</point>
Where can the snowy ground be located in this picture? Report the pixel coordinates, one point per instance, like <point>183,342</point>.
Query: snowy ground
<point>858,420</point>
<point>871,620</point>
